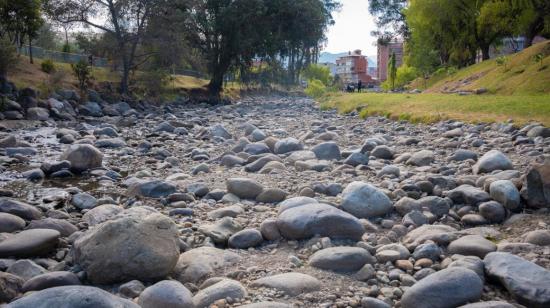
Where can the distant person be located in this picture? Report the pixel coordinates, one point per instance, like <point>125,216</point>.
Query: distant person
<point>359,86</point>
<point>91,60</point>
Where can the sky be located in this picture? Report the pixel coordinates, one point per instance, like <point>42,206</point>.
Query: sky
<point>352,29</point>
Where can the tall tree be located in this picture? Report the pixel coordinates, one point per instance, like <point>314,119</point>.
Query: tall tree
<point>20,20</point>
<point>392,70</point>
<point>390,18</point>
<point>124,20</point>
<point>533,18</point>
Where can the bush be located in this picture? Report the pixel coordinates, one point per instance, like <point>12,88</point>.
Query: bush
<point>315,88</point>
<point>8,56</point>
<point>83,73</point>
<point>154,82</point>
<point>47,66</point>
<point>318,72</point>
<point>405,74</point>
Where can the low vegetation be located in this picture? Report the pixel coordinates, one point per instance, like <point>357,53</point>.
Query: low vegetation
<point>433,107</point>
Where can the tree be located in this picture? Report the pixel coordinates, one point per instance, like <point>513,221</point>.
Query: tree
<point>533,18</point>
<point>20,20</point>
<point>82,72</point>
<point>392,71</point>
<point>8,57</point>
<point>318,72</point>
<point>231,34</point>
<point>124,20</point>
<point>390,14</point>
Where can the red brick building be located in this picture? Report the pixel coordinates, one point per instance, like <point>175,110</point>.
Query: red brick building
<point>384,53</point>
<point>353,67</point>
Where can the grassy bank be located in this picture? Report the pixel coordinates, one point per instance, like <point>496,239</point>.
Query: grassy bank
<point>431,107</point>
<point>520,74</point>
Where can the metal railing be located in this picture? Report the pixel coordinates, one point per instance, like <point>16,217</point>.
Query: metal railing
<point>63,57</point>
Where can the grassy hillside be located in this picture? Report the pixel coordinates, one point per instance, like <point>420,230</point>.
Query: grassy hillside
<point>26,74</point>
<point>521,75</point>
<point>433,107</point>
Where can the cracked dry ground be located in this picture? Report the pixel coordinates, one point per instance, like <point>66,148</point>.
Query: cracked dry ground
<point>271,202</point>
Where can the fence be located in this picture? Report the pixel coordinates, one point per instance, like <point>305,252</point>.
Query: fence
<point>63,57</point>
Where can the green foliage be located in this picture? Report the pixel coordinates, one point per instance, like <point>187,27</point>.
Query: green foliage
<point>392,71</point>
<point>153,83</point>
<point>315,88</point>
<point>502,61</point>
<point>66,48</point>
<point>539,58</point>
<point>405,74</point>
<point>83,74</point>
<point>20,19</point>
<point>318,72</point>
<point>8,56</point>
<point>47,66</point>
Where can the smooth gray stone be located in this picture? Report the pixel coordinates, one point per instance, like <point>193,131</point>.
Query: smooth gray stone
<point>29,243</point>
<point>72,297</point>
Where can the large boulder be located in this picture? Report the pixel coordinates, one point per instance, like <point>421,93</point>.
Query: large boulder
<point>365,201</point>
<point>72,297</point>
<point>132,247</point>
<point>308,220</point>
<point>468,194</point>
<point>537,186</point>
<point>38,114</point>
<point>83,157</point>
<point>441,234</point>
<point>491,161</point>
<point>197,264</point>
<point>448,288</point>
<point>528,283</point>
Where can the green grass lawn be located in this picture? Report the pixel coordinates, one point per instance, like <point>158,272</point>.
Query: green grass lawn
<point>429,108</point>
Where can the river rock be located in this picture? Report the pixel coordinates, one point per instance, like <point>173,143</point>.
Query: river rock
<point>50,280</point>
<point>72,297</point>
<point>83,157</point>
<point>491,161</point>
<point>308,220</point>
<point>528,283</point>
<point>537,186</point>
<point>472,245</point>
<point>29,243</point>
<point>129,248</point>
<point>506,193</point>
<point>166,294</point>
<point>291,284</point>
<point>345,259</point>
<point>18,208</point>
<point>365,201</point>
<point>244,188</point>
<point>10,223</point>
<point>221,290</point>
<point>198,263</point>
<point>447,288</point>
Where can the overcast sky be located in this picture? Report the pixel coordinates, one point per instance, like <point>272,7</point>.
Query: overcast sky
<point>352,29</point>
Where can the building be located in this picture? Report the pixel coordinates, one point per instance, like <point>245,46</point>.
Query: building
<point>384,53</point>
<point>331,67</point>
<point>353,67</point>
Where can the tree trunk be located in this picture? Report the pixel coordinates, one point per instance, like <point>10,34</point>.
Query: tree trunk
<point>125,77</point>
<point>485,53</point>
<point>30,51</point>
<point>534,28</point>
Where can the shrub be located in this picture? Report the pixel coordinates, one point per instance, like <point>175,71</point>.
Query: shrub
<point>66,48</point>
<point>8,56</point>
<point>154,82</point>
<point>83,73</point>
<point>315,88</point>
<point>47,66</point>
<point>318,72</point>
<point>502,61</point>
